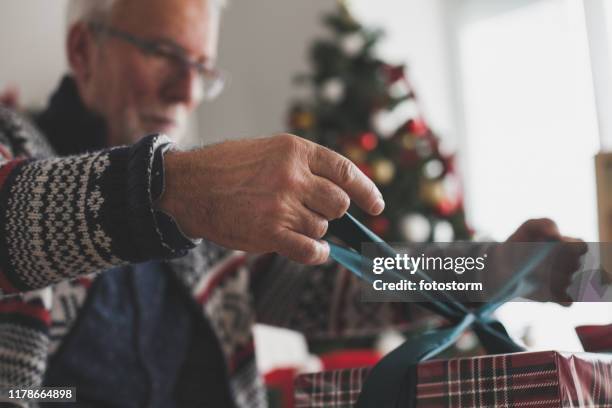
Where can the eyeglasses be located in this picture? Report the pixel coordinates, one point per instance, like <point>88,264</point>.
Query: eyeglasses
<point>172,57</point>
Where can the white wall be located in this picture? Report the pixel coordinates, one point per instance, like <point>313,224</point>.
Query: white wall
<point>31,47</point>
<point>264,44</point>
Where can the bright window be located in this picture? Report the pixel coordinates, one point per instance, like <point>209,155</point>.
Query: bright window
<point>530,134</point>
<point>530,121</point>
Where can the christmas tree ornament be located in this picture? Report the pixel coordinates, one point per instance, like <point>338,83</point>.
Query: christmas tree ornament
<point>384,123</point>
<point>355,153</point>
<point>383,171</point>
<point>379,225</point>
<point>409,108</point>
<point>433,169</point>
<point>368,141</point>
<point>332,90</point>
<point>408,141</point>
<point>432,192</point>
<point>446,207</point>
<point>352,44</point>
<point>417,126</point>
<point>399,89</point>
<point>302,120</point>
<point>423,147</point>
<point>388,122</point>
<point>443,231</point>
<point>415,228</point>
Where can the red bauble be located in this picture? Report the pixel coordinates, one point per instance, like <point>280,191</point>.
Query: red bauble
<point>446,207</point>
<point>417,127</point>
<point>368,141</point>
<point>379,225</point>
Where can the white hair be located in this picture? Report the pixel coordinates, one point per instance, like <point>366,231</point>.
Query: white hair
<point>87,11</point>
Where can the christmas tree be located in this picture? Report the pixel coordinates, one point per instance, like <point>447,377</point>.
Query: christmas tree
<point>366,110</point>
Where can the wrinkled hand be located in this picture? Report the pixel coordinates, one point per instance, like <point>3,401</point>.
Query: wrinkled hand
<point>556,277</point>
<point>272,194</point>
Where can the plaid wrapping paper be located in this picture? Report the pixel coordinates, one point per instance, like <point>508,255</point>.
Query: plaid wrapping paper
<point>547,379</point>
<point>595,338</point>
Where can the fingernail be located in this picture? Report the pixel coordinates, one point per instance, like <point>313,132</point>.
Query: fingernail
<point>326,250</point>
<point>379,206</point>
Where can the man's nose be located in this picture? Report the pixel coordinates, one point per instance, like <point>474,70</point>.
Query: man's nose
<point>185,87</point>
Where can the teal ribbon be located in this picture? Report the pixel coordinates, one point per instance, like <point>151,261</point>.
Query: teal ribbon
<point>389,380</point>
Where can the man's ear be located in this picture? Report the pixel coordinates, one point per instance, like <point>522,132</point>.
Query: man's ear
<point>80,48</point>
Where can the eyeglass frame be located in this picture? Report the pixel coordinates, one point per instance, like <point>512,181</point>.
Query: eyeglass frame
<point>168,50</point>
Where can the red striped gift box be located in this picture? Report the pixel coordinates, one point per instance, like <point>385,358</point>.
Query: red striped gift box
<point>595,338</point>
<point>546,379</point>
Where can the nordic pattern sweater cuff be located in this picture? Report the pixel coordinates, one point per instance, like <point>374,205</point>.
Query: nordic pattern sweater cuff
<point>65,217</point>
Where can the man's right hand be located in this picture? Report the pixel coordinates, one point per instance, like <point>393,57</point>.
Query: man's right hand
<point>272,194</point>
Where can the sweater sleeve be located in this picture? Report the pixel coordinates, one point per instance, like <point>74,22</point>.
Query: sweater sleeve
<point>65,217</point>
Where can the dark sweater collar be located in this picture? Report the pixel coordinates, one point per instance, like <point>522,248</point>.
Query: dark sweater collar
<point>69,126</point>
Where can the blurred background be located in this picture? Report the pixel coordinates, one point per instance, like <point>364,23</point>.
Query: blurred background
<point>519,90</point>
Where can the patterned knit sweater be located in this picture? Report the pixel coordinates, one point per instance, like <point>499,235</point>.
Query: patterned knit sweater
<point>64,219</point>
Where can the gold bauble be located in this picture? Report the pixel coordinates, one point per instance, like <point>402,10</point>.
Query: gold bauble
<point>432,192</point>
<point>408,141</point>
<point>355,153</point>
<point>383,171</point>
<point>304,120</point>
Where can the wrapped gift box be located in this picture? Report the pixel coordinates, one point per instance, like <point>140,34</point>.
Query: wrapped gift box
<point>596,338</point>
<point>546,379</point>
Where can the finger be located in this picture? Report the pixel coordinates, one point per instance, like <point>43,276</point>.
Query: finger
<point>534,230</point>
<point>563,299</point>
<point>576,247</point>
<point>309,223</point>
<point>342,172</point>
<point>570,253</point>
<point>302,249</point>
<point>326,198</point>
<point>542,229</point>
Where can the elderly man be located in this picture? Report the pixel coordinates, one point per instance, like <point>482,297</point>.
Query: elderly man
<point>179,333</point>
<point>159,332</point>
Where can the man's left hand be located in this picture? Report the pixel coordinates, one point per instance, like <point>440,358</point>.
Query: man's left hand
<point>566,258</point>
